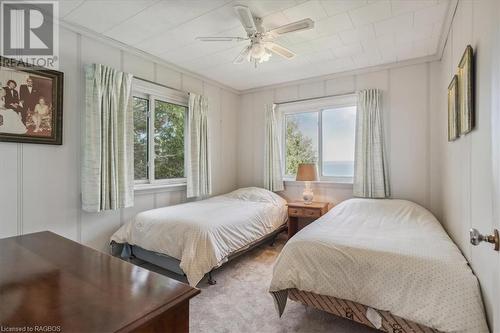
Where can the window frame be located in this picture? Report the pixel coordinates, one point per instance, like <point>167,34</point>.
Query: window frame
<point>317,105</point>
<point>153,92</point>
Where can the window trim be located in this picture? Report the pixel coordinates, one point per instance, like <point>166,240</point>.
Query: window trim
<point>308,106</point>
<point>153,92</point>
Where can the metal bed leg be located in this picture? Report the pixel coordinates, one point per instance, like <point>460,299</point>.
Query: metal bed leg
<point>211,280</point>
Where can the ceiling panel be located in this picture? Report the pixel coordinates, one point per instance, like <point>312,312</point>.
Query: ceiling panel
<point>408,6</point>
<point>341,6</point>
<point>348,34</point>
<point>101,15</point>
<point>312,9</point>
<point>394,24</point>
<point>65,7</point>
<point>357,34</point>
<point>162,16</point>
<point>373,12</point>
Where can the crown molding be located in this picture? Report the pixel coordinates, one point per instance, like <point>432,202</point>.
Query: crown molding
<point>452,7</point>
<point>352,72</point>
<point>133,50</point>
<point>445,33</point>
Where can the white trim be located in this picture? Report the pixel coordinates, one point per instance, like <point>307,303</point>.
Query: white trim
<point>446,29</point>
<point>317,103</point>
<point>320,184</point>
<point>122,46</point>
<point>151,139</point>
<point>144,55</point>
<point>159,187</point>
<point>152,93</point>
<point>314,105</point>
<point>353,72</point>
<point>397,64</point>
<point>160,92</point>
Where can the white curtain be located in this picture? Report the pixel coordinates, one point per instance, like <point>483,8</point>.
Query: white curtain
<point>371,176</point>
<point>273,180</point>
<point>107,140</point>
<point>199,182</point>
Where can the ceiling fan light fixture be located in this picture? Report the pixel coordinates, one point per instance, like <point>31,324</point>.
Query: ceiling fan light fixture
<point>265,57</point>
<point>262,46</point>
<point>258,50</point>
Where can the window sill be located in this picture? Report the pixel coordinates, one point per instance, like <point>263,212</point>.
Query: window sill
<point>159,187</point>
<point>341,184</point>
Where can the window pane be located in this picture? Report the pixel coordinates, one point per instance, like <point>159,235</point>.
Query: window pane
<point>339,135</point>
<point>169,140</point>
<point>301,140</point>
<point>141,107</point>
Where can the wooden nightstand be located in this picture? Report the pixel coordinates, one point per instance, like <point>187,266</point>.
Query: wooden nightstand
<point>298,209</point>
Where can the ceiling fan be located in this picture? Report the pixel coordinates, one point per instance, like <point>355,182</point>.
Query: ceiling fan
<point>261,40</point>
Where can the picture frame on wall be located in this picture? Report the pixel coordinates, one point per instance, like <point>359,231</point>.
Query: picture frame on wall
<point>453,110</point>
<point>466,91</point>
<point>31,103</point>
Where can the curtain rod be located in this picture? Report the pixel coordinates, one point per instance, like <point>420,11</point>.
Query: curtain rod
<point>311,98</point>
<point>160,84</point>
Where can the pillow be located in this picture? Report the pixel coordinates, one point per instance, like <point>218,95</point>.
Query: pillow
<point>257,194</point>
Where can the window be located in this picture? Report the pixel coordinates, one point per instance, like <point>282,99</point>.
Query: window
<point>159,130</point>
<point>321,131</point>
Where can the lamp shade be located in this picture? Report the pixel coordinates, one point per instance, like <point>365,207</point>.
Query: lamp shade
<point>307,172</point>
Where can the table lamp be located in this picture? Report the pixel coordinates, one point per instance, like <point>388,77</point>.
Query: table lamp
<point>307,172</point>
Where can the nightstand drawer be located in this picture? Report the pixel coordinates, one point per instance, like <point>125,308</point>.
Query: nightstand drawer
<point>294,211</point>
<point>307,212</point>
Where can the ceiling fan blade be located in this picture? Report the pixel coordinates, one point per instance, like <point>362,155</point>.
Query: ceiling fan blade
<point>220,39</point>
<point>242,56</point>
<point>304,24</point>
<point>280,50</point>
<point>246,18</point>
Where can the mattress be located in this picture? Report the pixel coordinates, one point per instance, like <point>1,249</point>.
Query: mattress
<point>390,255</point>
<point>202,234</point>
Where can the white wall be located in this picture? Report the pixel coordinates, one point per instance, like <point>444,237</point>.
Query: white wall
<point>406,115</point>
<point>461,171</point>
<point>40,184</point>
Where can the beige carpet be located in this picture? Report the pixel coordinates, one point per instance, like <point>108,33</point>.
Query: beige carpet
<point>240,303</point>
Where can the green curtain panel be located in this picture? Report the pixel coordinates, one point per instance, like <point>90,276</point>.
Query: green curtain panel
<point>371,176</point>
<point>107,143</point>
<point>273,180</point>
<point>199,183</point>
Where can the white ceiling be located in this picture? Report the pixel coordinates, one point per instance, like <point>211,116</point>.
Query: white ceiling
<point>348,34</point>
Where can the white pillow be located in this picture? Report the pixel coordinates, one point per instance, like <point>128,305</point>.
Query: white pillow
<point>257,194</point>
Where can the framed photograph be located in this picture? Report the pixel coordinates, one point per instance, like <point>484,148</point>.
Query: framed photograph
<point>453,109</point>
<point>31,103</point>
<point>466,91</point>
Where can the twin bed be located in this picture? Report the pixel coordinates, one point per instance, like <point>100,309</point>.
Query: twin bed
<point>387,264</point>
<point>195,238</point>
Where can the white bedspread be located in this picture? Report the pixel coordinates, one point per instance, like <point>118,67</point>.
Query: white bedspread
<point>390,255</point>
<point>202,234</point>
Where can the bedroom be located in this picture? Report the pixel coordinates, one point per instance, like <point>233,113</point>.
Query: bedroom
<point>405,52</point>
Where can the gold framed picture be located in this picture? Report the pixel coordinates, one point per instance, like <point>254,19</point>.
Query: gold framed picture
<point>466,91</point>
<point>453,109</point>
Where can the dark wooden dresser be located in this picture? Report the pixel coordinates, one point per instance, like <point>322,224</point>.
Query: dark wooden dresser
<point>51,284</point>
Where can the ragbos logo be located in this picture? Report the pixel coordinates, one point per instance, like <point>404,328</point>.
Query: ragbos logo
<point>30,32</point>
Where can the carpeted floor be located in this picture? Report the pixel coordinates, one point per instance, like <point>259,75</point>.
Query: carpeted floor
<point>240,301</point>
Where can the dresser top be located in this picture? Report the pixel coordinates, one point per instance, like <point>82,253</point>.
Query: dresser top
<point>46,279</point>
<point>314,204</point>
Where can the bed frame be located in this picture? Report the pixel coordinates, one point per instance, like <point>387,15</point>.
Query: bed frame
<point>173,265</point>
<point>357,312</point>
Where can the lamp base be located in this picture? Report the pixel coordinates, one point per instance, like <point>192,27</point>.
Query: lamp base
<point>308,194</point>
